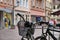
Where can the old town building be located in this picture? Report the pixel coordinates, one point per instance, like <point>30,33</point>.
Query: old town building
<point>5,13</point>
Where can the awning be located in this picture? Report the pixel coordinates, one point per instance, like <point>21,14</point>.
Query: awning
<point>37,13</point>
<point>6,10</point>
<point>56,13</point>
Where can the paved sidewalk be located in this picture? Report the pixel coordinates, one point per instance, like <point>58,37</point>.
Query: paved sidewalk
<point>9,34</point>
<point>12,34</point>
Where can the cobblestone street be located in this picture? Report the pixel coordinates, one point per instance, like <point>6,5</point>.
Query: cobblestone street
<point>12,34</point>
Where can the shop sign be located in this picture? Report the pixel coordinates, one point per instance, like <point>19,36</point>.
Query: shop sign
<point>6,10</point>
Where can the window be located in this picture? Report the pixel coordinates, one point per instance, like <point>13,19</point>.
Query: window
<point>16,3</point>
<point>32,2</point>
<point>37,4</point>
<point>26,3</point>
<point>27,17</point>
<point>21,2</point>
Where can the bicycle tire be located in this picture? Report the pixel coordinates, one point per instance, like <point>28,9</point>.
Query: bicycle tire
<point>40,38</point>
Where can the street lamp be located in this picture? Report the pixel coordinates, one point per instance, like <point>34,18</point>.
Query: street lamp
<point>13,11</point>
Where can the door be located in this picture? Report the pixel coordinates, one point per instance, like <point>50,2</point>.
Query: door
<point>1,19</point>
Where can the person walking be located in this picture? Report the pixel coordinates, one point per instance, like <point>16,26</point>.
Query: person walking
<point>52,23</point>
<point>9,23</point>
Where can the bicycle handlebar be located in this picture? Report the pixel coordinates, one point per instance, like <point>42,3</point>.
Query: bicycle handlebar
<point>27,23</point>
<point>20,16</point>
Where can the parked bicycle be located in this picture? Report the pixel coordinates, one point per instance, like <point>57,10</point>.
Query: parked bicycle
<point>44,35</point>
<point>25,29</point>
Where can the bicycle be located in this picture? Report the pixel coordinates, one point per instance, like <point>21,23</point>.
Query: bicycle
<point>28,25</point>
<point>44,35</point>
<point>25,28</point>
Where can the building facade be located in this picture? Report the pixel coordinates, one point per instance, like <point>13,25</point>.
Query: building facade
<point>40,9</point>
<point>23,9</point>
<point>32,10</point>
<point>48,9</point>
<point>56,7</point>
<point>37,10</point>
<point>6,13</point>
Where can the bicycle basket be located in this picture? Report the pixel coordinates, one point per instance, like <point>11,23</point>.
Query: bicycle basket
<point>23,30</point>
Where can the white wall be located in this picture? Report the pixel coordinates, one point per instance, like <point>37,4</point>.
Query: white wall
<point>18,18</point>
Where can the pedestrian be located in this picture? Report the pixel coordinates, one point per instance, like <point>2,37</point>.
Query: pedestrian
<point>6,23</point>
<point>9,23</point>
<point>52,23</point>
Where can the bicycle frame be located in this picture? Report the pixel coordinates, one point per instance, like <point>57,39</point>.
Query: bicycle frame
<point>48,31</point>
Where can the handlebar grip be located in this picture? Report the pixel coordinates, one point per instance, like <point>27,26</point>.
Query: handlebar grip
<point>20,16</point>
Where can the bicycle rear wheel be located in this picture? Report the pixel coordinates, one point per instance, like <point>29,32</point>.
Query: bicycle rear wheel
<point>40,38</point>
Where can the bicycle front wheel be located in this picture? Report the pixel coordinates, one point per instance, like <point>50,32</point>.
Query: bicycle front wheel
<point>40,38</point>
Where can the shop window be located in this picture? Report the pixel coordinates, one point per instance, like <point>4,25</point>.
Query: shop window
<point>7,19</point>
<point>27,17</point>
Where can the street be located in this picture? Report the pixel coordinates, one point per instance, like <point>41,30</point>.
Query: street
<point>12,34</point>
